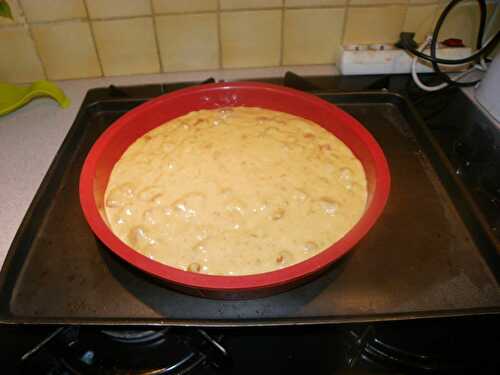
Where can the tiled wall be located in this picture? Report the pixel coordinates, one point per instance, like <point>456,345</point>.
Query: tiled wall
<point>65,39</point>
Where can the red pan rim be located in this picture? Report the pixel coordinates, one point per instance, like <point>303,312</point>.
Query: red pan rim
<point>245,282</point>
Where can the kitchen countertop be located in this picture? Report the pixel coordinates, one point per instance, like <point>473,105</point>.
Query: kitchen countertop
<point>31,136</point>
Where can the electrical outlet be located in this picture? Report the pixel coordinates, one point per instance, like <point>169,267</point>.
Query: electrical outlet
<point>358,60</point>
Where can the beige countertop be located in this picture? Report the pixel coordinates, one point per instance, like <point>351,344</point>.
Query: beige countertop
<point>31,136</point>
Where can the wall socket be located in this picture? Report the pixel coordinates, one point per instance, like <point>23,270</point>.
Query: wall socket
<point>356,60</point>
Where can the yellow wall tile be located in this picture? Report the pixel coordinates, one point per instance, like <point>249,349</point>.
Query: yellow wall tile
<point>67,50</point>
<point>374,24</point>
<point>16,11</point>
<point>306,3</point>
<point>126,46</point>
<point>420,20</point>
<point>462,23</point>
<point>177,6</point>
<point>188,42</point>
<point>250,4</point>
<point>251,38</point>
<point>312,36</point>
<point>51,10</point>
<point>19,62</point>
<point>118,8</point>
<point>376,2</point>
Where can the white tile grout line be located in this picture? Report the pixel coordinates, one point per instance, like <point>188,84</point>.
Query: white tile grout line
<point>344,27</point>
<point>219,36</point>
<point>157,42</point>
<point>404,17</point>
<point>282,36</point>
<point>94,41</point>
<point>30,33</point>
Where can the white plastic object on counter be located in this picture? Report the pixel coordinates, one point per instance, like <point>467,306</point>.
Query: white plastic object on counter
<point>396,61</point>
<point>488,92</point>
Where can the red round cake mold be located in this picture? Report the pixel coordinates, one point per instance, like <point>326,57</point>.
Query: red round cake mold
<point>114,141</point>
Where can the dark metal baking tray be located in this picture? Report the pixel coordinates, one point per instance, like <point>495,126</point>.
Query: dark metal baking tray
<point>424,258</point>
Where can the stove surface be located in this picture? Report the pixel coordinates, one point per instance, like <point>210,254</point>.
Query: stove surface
<point>433,264</point>
<point>452,345</point>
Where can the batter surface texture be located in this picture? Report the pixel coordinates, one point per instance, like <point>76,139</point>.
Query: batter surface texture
<point>235,191</point>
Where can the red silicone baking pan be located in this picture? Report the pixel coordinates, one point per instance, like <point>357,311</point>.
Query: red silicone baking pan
<point>114,141</point>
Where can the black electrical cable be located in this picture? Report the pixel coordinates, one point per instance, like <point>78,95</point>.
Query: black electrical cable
<point>484,49</point>
<point>479,42</point>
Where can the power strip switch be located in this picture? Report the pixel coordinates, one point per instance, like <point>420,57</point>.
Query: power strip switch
<point>357,60</point>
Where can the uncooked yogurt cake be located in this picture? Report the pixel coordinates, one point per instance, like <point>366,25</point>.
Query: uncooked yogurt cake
<point>235,191</point>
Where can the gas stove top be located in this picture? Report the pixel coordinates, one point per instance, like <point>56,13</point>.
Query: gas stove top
<point>456,346</point>
<point>448,167</point>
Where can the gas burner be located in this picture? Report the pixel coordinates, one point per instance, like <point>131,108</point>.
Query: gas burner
<point>136,336</point>
<point>131,351</point>
<point>117,351</point>
<point>429,346</point>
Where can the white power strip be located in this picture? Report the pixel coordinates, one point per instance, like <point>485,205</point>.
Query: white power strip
<point>394,61</point>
